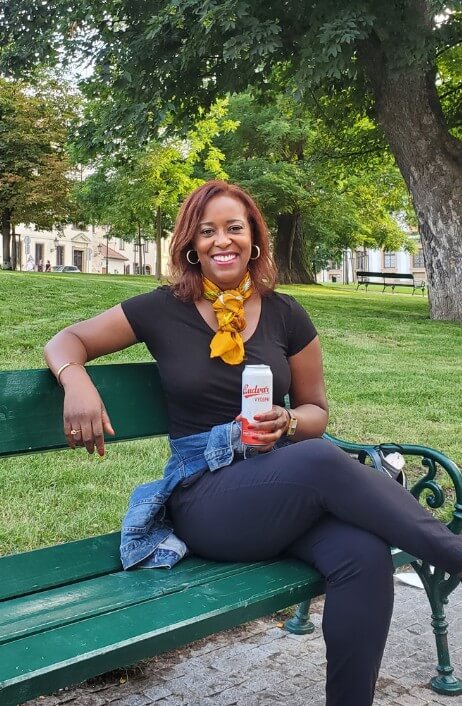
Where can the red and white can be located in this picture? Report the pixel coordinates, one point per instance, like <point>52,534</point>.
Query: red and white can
<point>257,398</point>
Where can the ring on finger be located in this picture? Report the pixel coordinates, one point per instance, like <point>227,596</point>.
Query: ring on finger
<point>75,431</point>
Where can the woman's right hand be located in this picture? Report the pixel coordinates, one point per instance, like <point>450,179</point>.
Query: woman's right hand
<point>84,413</point>
<point>68,352</point>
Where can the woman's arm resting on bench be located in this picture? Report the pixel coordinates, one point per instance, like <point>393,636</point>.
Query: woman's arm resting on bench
<point>85,417</point>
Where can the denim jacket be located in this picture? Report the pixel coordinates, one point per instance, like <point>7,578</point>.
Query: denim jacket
<point>147,538</point>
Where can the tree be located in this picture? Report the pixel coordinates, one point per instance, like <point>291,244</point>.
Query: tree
<point>34,172</point>
<point>181,55</point>
<point>312,203</point>
<point>138,196</point>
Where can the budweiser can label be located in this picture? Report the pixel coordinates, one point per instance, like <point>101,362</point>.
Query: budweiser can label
<point>257,398</point>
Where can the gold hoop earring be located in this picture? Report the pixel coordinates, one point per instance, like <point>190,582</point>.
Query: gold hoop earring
<point>258,252</point>
<point>188,257</point>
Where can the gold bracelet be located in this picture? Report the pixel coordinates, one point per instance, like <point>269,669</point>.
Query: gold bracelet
<point>63,367</point>
<point>293,421</point>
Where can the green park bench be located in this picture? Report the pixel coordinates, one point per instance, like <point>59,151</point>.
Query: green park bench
<point>389,279</point>
<point>69,612</point>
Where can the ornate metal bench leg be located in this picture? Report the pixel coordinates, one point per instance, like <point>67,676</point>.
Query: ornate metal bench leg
<point>438,589</point>
<point>300,624</point>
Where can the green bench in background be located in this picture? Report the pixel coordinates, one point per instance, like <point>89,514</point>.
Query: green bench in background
<point>389,279</point>
<point>69,612</point>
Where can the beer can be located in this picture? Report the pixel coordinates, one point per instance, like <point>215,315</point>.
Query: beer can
<point>257,398</point>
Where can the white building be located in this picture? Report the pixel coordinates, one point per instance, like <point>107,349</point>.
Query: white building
<point>89,249</point>
<point>370,260</point>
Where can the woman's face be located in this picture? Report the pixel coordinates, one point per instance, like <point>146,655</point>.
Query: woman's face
<point>224,241</point>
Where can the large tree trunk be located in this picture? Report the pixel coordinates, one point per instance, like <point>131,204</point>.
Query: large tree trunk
<point>430,160</point>
<point>6,237</point>
<point>290,251</point>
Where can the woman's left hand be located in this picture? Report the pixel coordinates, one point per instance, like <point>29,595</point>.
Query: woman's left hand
<point>269,427</point>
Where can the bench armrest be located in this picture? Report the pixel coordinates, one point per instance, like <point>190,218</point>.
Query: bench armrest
<point>431,460</point>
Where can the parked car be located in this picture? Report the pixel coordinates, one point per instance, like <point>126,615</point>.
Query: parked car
<point>65,268</point>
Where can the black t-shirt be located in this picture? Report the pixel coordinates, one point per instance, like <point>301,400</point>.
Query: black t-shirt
<point>202,392</point>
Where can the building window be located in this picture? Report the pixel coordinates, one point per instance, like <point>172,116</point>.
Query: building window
<point>121,244</point>
<point>333,265</point>
<point>389,259</point>
<point>362,261</point>
<point>60,254</point>
<point>418,260</point>
<point>145,246</point>
<point>39,255</point>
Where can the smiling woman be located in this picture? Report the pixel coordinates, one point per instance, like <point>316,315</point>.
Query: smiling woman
<point>224,241</point>
<point>220,228</point>
<point>294,492</point>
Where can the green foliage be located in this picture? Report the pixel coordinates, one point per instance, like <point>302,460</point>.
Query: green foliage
<point>127,194</point>
<point>279,153</point>
<point>449,82</point>
<point>178,56</point>
<point>34,173</point>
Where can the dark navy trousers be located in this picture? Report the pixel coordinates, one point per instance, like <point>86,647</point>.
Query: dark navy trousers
<point>313,501</point>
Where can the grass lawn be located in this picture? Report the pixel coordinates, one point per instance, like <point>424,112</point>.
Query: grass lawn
<point>392,375</point>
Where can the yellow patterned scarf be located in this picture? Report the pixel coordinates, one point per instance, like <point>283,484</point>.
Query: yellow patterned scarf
<point>227,343</point>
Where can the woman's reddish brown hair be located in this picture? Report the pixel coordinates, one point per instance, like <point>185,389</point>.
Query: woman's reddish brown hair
<point>187,278</point>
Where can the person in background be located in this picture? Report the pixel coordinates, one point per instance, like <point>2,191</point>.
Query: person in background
<point>48,266</point>
<point>295,494</point>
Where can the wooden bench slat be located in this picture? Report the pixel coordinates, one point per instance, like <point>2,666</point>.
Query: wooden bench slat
<point>47,661</point>
<point>65,564</point>
<point>56,607</point>
<point>385,275</point>
<point>59,565</point>
<point>43,611</point>
<point>24,392</point>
